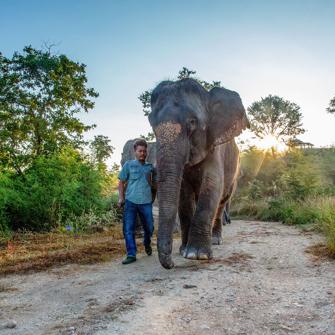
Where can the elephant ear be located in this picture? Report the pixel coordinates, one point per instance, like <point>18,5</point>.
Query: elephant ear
<point>227,117</point>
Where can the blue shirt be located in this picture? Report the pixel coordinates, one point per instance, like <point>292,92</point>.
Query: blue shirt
<point>138,188</point>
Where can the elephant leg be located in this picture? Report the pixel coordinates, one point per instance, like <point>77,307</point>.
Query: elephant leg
<point>227,211</point>
<point>186,211</point>
<point>176,228</point>
<point>200,232</point>
<point>217,227</point>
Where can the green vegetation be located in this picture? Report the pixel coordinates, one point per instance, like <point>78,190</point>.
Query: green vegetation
<point>331,108</point>
<point>40,93</point>
<point>55,183</point>
<point>47,181</point>
<point>297,187</point>
<point>52,190</point>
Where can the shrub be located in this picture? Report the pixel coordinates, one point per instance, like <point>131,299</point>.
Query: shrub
<point>51,190</point>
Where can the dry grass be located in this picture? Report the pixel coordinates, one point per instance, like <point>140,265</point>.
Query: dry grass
<point>321,251</point>
<point>38,252</point>
<point>7,288</point>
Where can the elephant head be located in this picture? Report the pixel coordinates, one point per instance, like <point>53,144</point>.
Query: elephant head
<point>189,122</point>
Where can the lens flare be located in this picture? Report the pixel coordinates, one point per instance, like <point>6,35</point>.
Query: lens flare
<point>269,142</point>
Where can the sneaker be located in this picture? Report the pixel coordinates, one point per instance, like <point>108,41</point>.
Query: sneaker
<point>129,260</point>
<point>148,250</point>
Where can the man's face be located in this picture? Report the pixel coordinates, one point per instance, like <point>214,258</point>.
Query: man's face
<point>141,153</point>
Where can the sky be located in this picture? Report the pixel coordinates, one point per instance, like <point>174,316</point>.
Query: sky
<point>255,48</point>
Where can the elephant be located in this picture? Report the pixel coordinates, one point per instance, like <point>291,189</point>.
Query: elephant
<point>197,162</point>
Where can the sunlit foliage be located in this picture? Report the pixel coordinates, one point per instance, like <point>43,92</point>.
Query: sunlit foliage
<point>297,187</point>
<point>276,118</point>
<point>40,94</point>
<point>47,172</point>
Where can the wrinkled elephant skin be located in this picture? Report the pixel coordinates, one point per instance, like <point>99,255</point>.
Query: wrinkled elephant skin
<point>197,162</point>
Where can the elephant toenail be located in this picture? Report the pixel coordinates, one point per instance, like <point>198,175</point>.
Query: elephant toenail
<point>192,255</point>
<point>184,254</point>
<point>203,256</point>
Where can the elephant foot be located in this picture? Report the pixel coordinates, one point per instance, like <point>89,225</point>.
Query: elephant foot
<point>216,240</point>
<point>201,253</point>
<point>182,249</point>
<point>166,261</point>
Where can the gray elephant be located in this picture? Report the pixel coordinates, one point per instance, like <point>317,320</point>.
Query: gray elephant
<point>197,162</point>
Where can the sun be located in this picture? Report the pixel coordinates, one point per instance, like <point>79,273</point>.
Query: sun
<point>269,142</point>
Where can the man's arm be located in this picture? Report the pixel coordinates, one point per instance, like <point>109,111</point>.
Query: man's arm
<point>122,186</point>
<point>123,177</point>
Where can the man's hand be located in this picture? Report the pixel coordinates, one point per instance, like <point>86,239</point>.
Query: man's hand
<point>122,185</point>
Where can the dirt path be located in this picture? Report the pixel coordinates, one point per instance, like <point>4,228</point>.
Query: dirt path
<point>261,281</point>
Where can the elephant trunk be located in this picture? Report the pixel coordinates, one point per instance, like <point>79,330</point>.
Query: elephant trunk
<point>169,181</point>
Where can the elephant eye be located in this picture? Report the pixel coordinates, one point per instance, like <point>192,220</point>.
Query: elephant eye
<point>193,124</point>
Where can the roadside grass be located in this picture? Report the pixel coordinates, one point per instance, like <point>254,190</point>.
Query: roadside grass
<point>326,222</point>
<point>317,210</point>
<point>32,252</point>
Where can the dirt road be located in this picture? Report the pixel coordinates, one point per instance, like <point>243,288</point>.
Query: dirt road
<point>261,281</point>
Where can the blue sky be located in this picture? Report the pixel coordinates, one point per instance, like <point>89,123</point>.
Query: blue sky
<point>256,48</point>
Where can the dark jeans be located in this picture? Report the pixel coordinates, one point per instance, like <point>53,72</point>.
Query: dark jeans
<point>129,225</point>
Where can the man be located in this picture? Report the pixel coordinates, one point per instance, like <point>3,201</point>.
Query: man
<point>140,177</point>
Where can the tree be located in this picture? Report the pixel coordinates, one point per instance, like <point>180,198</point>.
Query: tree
<point>273,116</point>
<point>40,93</point>
<point>101,148</point>
<point>331,108</point>
<point>145,97</point>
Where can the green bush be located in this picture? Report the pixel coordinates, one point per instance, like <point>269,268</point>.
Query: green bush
<point>51,190</point>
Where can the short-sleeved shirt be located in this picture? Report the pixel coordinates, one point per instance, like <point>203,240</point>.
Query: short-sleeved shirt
<point>138,188</point>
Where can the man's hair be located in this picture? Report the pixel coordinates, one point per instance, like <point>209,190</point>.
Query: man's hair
<point>140,143</point>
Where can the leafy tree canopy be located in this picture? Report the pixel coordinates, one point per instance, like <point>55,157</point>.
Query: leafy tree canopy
<point>145,97</point>
<point>276,117</point>
<point>331,108</point>
<point>101,148</point>
<point>40,94</point>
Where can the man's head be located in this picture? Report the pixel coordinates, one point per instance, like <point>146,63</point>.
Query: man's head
<point>140,150</point>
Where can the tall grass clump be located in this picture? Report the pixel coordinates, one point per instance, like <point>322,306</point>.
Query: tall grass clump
<point>326,220</point>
